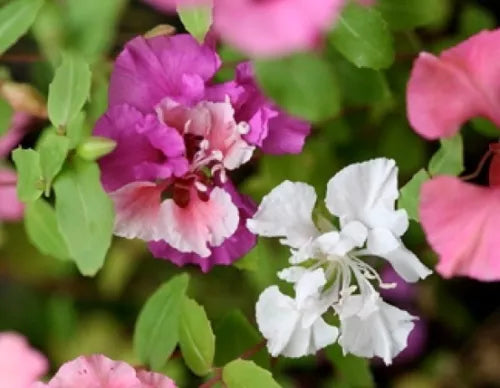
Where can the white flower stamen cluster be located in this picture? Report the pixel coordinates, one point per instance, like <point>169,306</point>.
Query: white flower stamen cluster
<point>328,271</point>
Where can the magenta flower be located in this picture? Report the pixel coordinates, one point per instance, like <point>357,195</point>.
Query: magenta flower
<point>268,27</point>
<point>462,83</point>
<point>178,136</point>
<point>20,365</point>
<point>98,371</point>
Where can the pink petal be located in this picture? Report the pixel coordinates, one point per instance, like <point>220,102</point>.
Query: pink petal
<point>201,223</point>
<point>462,225</point>
<point>170,5</point>
<point>10,207</point>
<point>95,371</point>
<point>463,82</point>
<point>271,28</point>
<point>20,365</point>
<point>18,128</point>
<point>154,380</point>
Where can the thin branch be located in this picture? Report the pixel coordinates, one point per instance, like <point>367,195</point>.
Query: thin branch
<point>479,167</point>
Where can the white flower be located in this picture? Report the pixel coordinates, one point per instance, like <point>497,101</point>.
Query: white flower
<point>294,327</point>
<point>327,266</point>
<point>373,328</point>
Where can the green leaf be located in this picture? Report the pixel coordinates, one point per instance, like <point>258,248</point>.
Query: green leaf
<point>41,226</point>
<point>196,19</point>
<point>234,335</point>
<point>196,339</point>
<point>76,130</point>
<point>303,84</point>
<point>474,19</point>
<point>15,20</point>
<point>485,127</point>
<point>246,374</point>
<point>449,159</point>
<point>29,174</point>
<point>362,36</point>
<point>53,151</point>
<point>354,371</point>
<point>69,90</point>
<point>84,214</point>
<point>6,112</point>
<point>157,329</point>
<point>410,194</point>
<point>408,14</point>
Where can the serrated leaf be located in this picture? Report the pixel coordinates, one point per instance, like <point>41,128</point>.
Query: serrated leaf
<point>362,36</point>
<point>354,371</point>
<point>196,338</point>
<point>6,113</point>
<point>53,151</point>
<point>69,90</point>
<point>29,174</point>
<point>410,194</point>
<point>246,374</point>
<point>85,215</point>
<point>303,84</point>
<point>449,159</point>
<point>41,226</point>
<point>157,328</point>
<point>15,19</point>
<point>196,19</point>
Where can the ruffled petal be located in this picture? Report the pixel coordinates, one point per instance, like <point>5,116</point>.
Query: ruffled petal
<point>287,212</point>
<point>462,226</point>
<point>407,264</point>
<point>446,91</point>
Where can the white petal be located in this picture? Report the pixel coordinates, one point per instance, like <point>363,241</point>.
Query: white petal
<point>407,264</point>
<point>380,241</point>
<point>276,318</point>
<point>308,286</point>
<point>306,341</point>
<point>323,335</point>
<point>356,232</point>
<point>292,274</point>
<point>382,333</point>
<point>286,212</point>
<point>367,192</point>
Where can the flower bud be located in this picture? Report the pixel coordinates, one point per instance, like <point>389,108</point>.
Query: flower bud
<point>95,147</point>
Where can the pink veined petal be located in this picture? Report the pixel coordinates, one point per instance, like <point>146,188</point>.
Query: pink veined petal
<point>149,70</point>
<point>20,365</point>
<point>201,223</point>
<point>11,208</point>
<point>154,380</point>
<point>271,28</point>
<point>95,371</point>
<point>446,91</point>
<point>462,225</point>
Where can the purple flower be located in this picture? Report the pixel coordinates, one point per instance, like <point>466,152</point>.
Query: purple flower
<point>178,136</point>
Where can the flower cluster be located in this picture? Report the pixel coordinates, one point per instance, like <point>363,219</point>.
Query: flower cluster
<point>178,135</point>
<point>328,269</point>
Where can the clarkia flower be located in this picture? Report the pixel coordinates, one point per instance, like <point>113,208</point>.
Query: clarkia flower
<point>20,365</point>
<point>178,136</point>
<point>98,371</point>
<point>328,269</point>
<point>462,83</point>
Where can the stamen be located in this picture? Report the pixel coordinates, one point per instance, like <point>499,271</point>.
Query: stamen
<point>200,187</point>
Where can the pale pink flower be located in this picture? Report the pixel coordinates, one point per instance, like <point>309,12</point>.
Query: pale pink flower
<point>20,365</point>
<point>462,83</point>
<point>11,209</point>
<point>98,371</point>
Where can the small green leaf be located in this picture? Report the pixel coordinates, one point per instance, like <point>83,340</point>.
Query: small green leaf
<point>6,112</point>
<point>29,174</point>
<point>41,226</point>
<point>408,14</point>
<point>196,339</point>
<point>95,147</point>
<point>157,329</point>
<point>410,194</point>
<point>449,159</point>
<point>53,151</point>
<point>15,19</point>
<point>474,19</point>
<point>85,215</point>
<point>246,374</point>
<point>485,127</point>
<point>76,130</point>
<point>363,37</point>
<point>354,371</point>
<point>303,84</point>
<point>196,19</point>
<point>69,90</point>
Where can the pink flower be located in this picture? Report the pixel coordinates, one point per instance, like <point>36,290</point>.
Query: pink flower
<point>268,27</point>
<point>463,82</point>
<point>20,365</point>
<point>462,225</point>
<point>178,136</point>
<point>98,371</point>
